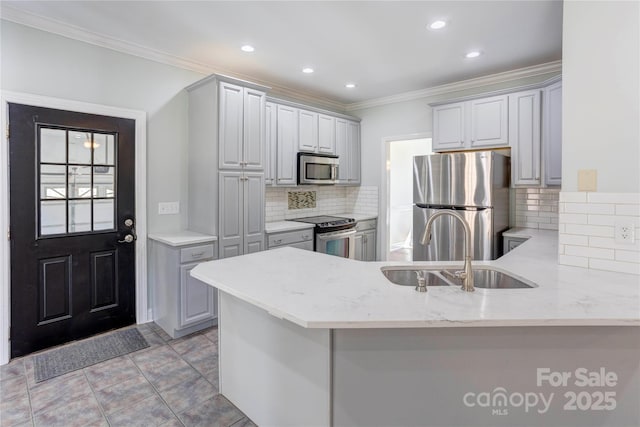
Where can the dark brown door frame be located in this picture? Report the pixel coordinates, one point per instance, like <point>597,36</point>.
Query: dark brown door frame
<point>140,117</point>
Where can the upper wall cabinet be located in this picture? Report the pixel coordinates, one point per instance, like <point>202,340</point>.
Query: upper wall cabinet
<point>552,134</point>
<point>241,127</point>
<point>270,132</point>
<point>287,133</point>
<point>525,137</point>
<point>480,123</point>
<point>347,139</point>
<point>528,121</point>
<point>291,129</point>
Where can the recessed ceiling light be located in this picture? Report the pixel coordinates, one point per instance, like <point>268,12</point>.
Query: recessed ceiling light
<point>307,70</point>
<point>473,54</point>
<point>247,48</point>
<point>436,25</point>
<point>350,85</point>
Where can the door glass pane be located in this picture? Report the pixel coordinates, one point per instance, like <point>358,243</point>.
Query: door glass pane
<point>53,145</point>
<point>80,147</point>
<point>53,184</point>
<point>52,217</point>
<point>80,182</point>
<point>79,215</point>
<point>103,181</point>
<point>103,214</point>
<point>103,149</point>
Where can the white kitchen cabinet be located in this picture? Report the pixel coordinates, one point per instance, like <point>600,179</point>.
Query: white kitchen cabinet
<point>307,131</point>
<point>271,132</point>
<point>524,134</point>
<point>449,127</point>
<point>181,304</point>
<point>241,213</point>
<point>227,131</point>
<point>326,134</point>
<point>287,133</point>
<point>347,140</point>
<point>475,124</point>
<point>489,122</point>
<point>552,134</point>
<point>353,152</point>
<point>241,141</point>
<point>366,240</point>
<point>302,239</point>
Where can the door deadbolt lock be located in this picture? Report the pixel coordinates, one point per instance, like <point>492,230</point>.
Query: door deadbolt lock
<point>128,222</point>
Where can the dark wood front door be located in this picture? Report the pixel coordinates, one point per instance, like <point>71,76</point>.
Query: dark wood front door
<point>72,199</point>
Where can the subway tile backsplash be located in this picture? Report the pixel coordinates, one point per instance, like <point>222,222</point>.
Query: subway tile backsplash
<point>294,202</point>
<point>587,224</point>
<point>537,208</point>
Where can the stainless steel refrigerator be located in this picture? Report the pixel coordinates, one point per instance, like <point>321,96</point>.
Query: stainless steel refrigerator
<point>476,186</point>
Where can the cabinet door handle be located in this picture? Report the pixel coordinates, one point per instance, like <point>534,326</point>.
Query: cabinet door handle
<point>197,254</point>
<point>277,241</point>
<point>305,237</point>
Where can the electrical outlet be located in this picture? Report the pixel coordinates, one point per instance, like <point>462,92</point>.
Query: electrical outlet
<point>168,208</point>
<point>625,232</point>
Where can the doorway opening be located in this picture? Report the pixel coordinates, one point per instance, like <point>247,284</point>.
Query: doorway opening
<point>400,199</point>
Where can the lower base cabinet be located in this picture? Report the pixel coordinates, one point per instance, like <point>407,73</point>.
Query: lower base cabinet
<point>301,239</point>
<point>512,243</point>
<point>366,240</point>
<point>181,304</point>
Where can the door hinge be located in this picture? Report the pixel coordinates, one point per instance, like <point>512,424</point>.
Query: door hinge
<point>8,234</point>
<point>7,130</point>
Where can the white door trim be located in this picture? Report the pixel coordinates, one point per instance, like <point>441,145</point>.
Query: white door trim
<point>140,117</point>
<point>385,197</point>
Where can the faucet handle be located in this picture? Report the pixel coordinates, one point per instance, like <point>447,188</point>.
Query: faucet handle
<point>422,282</point>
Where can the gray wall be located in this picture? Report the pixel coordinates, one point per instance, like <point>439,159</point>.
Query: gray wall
<point>45,64</point>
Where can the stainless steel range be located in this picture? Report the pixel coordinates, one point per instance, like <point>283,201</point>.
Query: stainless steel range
<point>334,235</point>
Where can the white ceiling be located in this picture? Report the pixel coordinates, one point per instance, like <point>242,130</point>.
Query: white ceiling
<point>384,47</point>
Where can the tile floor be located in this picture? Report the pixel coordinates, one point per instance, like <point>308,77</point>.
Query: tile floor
<point>171,383</point>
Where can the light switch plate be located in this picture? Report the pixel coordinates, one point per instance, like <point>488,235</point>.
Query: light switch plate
<point>587,180</point>
<point>168,208</point>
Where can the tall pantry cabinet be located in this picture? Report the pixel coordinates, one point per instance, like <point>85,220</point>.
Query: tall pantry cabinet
<point>226,163</point>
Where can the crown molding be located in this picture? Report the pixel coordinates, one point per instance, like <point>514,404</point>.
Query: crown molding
<point>38,22</point>
<point>520,73</point>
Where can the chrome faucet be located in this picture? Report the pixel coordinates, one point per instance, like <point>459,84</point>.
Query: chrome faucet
<point>467,274</point>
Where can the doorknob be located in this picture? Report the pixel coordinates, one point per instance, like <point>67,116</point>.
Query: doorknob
<point>127,239</point>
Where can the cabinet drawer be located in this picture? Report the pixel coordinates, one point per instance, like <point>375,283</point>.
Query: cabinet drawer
<point>286,238</point>
<point>369,224</point>
<point>196,253</point>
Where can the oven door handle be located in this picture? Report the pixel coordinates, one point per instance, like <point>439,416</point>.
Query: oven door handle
<point>336,235</point>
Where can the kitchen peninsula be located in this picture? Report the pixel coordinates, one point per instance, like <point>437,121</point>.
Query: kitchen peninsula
<point>310,339</point>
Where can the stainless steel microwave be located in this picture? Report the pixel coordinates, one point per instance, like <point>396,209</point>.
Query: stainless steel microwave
<point>317,169</point>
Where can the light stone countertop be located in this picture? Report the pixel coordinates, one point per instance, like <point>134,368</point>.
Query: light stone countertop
<point>315,290</point>
<point>527,233</point>
<point>182,238</point>
<point>281,226</point>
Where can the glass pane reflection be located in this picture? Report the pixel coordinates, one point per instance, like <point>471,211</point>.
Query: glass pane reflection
<point>53,219</point>
<point>80,182</point>
<point>79,215</point>
<point>80,147</point>
<point>53,145</point>
<point>103,149</point>
<point>103,214</point>
<point>53,184</point>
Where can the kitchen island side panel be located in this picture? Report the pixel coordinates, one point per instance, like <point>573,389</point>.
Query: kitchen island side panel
<point>461,377</point>
<point>277,373</point>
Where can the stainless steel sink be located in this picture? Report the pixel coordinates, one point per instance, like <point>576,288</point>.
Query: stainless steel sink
<point>409,276</point>
<point>491,278</point>
<point>484,277</point>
